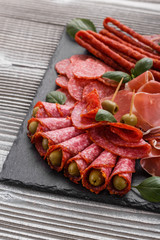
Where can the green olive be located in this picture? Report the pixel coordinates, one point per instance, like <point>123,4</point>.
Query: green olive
<point>33,127</point>
<point>119,183</point>
<point>56,157</point>
<point>110,106</point>
<point>95,178</point>
<point>35,110</point>
<point>45,143</point>
<point>129,119</point>
<point>73,169</point>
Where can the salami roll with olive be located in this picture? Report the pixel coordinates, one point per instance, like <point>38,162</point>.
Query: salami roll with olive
<point>46,109</point>
<point>120,180</point>
<point>46,124</point>
<point>75,166</point>
<point>43,140</point>
<point>95,177</point>
<point>57,155</point>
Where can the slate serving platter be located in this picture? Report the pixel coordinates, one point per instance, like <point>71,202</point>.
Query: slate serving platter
<point>25,167</point>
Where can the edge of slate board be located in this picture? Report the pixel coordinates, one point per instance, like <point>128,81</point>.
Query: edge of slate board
<point>24,166</point>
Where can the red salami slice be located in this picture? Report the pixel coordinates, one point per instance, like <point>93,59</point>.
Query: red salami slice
<point>78,57</point>
<point>54,137</point>
<point>82,160</point>
<point>62,65</point>
<point>104,163</point>
<point>124,168</point>
<point>89,69</point>
<point>52,110</point>
<point>70,101</point>
<point>102,89</point>
<point>49,124</point>
<point>84,112</point>
<point>62,81</point>
<point>75,88</point>
<point>99,137</point>
<point>69,148</point>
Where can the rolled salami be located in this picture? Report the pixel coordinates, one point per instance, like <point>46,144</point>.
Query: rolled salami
<point>57,155</point>
<point>75,166</point>
<point>43,140</point>
<point>46,124</point>
<point>120,180</point>
<point>95,177</point>
<point>46,109</point>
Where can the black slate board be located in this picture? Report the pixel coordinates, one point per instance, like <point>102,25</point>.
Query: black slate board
<point>25,167</point>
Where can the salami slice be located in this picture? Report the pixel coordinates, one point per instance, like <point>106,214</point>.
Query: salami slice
<point>49,124</point>
<point>102,89</point>
<point>68,148</point>
<point>56,110</point>
<point>69,101</point>
<point>61,66</point>
<point>54,137</point>
<point>124,169</point>
<point>104,164</point>
<point>62,81</point>
<point>99,137</point>
<point>75,88</point>
<point>78,57</point>
<point>82,160</point>
<point>89,69</point>
<point>84,112</point>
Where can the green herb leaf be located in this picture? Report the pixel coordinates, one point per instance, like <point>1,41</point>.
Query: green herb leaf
<point>142,66</point>
<point>78,24</point>
<point>103,115</point>
<point>150,189</point>
<point>117,76</point>
<point>56,97</point>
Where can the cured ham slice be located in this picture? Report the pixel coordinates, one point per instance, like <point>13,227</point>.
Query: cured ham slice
<point>147,109</point>
<point>49,124</point>
<point>54,137</point>
<point>83,159</point>
<point>104,163</point>
<point>150,87</point>
<point>124,168</point>
<point>139,81</point>
<point>56,110</point>
<point>69,149</point>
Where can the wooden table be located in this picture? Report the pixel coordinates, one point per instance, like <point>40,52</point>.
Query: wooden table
<point>29,33</point>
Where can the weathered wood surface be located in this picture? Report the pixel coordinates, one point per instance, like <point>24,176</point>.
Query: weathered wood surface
<point>29,33</point>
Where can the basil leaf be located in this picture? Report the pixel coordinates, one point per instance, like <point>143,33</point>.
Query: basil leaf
<point>56,97</point>
<point>78,24</point>
<point>103,115</point>
<point>150,189</point>
<point>142,66</point>
<point>117,76</point>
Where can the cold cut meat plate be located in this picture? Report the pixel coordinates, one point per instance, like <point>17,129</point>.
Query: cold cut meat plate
<point>25,167</point>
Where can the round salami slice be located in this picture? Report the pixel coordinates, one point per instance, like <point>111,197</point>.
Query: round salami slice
<point>69,101</point>
<point>89,69</point>
<point>69,149</point>
<point>52,110</point>
<point>102,89</point>
<point>61,66</point>
<point>104,164</point>
<point>78,57</point>
<point>48,124</point>
<point>75,88</point>
<point>82,160</point>
<point>124,169</point>
<point>54,137</point>
<point>99,137</point>
<point>62,81</point>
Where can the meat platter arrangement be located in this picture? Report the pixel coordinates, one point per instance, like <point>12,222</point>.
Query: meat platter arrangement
<point>105,114</point>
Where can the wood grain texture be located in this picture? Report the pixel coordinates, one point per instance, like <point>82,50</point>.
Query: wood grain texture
<point>30,32</point>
